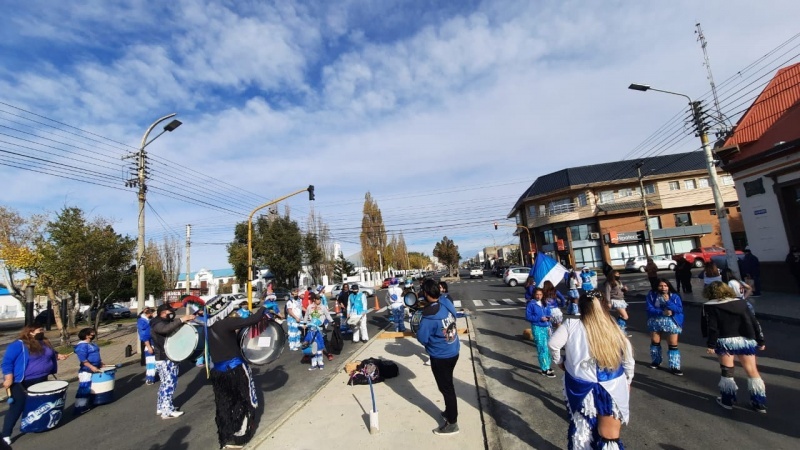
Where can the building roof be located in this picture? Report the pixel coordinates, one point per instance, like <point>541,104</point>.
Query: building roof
<point>612,171</point>
<point>216,273</point>
<point>781,94</point>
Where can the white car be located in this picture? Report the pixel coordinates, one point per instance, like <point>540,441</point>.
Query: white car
<point>516,275</point>
<point>637,263</point>
<point>337,288</point>
<point>476,273</point>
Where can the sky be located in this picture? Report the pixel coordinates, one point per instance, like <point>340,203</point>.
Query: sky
<point>443,111</point>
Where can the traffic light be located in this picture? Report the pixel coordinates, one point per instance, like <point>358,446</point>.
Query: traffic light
<point>640,236</point>
<point>495,225</point>
<point>255,273</point>
<point>310,192</point>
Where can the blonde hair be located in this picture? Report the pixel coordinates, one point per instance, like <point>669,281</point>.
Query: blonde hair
<point>607,344</point>
<point>718,290</point>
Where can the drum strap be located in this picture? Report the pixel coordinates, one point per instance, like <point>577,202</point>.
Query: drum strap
<point>205,346</point>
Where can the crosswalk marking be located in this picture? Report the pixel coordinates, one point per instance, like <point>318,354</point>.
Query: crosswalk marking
<point>493,302</point>
<point>478,302</point>
<point>457,303</point>
<point>509,301</point>
<point>522,299</point>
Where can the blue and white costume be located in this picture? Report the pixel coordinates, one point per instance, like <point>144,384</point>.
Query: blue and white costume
<point>314,343</point>
<point>588,279</point>
<point>658,322</point>
<point>573,294</point>
<point>394,296</point>
<point>86,352</point>
<point>539,316</point>
<point>293,305</point>
<point>143,328</point>
<point>357,306</point>
<point>589,390</point>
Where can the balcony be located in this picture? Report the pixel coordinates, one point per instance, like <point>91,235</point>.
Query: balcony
<point>562,213</point>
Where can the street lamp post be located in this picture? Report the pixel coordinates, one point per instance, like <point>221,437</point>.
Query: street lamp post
<point>530,242</point>
<point>719,204</point>
<point>310,190</point>
<point>646,213</point>
<point>142,180</point>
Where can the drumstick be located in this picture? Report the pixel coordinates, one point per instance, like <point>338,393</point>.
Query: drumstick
<point>10,399</point>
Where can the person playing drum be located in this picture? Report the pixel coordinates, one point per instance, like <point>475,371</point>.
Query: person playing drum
<point>88,354</point>
<point>27,361</point>
<point>161,326</point>
<point>231,378</point>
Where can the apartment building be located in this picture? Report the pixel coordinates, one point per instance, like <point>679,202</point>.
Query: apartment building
<point>585,215</point>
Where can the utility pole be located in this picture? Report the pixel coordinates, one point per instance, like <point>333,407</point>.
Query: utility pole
<point>188,247</point>
<point>646,213</point>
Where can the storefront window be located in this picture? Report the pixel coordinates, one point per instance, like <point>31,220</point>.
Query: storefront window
<point>589,256</point>
<point>581,232</point>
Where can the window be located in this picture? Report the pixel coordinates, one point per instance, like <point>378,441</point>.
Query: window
<point>703,182</point>
<point>549,237</point>
<point>683,220</point>
<point>581,232</point>
<point>581,199</point>
<point>532,211</point>
<point>689,184</point>
<point>655,223</point>
<point>649,189</point>
<point>674,186</point>
<point>542,211</point>
<point>726,180</point>
<point>607,197</point>
<point>627,192</point>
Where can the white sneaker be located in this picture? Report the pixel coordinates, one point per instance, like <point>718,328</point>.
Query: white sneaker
<point>172,415</point>
<point>7,440</point>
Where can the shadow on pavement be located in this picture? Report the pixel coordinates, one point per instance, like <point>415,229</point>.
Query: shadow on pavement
<point>175,441</point>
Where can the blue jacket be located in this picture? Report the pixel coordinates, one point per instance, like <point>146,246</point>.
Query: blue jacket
<point>87,352</point>
<point>655,307</point>
<point>16,358</point>
<point>438,331</point>
<point>529,290</point>
<point>535,313</point>
<point>143,326</point>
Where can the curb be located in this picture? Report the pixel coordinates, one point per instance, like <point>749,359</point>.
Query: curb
<point>490,435</point>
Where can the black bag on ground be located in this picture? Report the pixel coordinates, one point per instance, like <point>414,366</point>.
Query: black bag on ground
<point>337,342</point>
<point>366,371</point>
<point>388,369</point>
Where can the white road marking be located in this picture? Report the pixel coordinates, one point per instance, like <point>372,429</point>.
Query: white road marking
<point>493,302</point>
<point>457,303</point>
<point>509,301</point>
<point>478,302</point>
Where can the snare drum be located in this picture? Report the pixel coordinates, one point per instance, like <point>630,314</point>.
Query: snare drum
<point>186,343</point>
<point>44,405</point>
<point>263,347</point>
<point>415,319</point>
<point>102,389</point>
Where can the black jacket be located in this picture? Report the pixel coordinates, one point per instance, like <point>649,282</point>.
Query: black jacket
<point>729,318</point>
<point>159,330</point>
<point>223,339</point>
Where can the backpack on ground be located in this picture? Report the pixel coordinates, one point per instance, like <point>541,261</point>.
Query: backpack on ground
<point>337,342</point>
<point>388,369</point>
<point>365,372</point>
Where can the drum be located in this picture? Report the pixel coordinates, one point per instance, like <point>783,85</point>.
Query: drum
<point>102,389</point>
<point>43,406</point>
<point>262,347</point>
<point>186,343</point>
<point>415,319</point>
<point>410,299</point>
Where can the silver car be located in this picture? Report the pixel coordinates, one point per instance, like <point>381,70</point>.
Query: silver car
<point>516,275</point>
<point>637,263</point>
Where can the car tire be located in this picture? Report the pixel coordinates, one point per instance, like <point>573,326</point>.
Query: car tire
<point>641,269</point>
<point>699,262</point>
<point>671,267</point>
<point>512,282</point>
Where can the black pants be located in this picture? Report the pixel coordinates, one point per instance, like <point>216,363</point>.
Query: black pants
<point>15,409</point>
<point>653,283</point>
<point>442,369</point>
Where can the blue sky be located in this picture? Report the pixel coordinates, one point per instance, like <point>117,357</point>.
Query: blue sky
<point>445,111</point>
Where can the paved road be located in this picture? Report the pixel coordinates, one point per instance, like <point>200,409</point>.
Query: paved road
<point>667,412</point>
<point>131,423</point>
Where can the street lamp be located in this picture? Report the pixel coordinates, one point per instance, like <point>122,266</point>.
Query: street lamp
<point>719,204</point>
<point>310,190</point>
<point>530,242</point>
<point>142,180</point>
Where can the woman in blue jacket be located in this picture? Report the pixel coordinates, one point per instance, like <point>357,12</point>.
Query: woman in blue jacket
<point>665,316</point>
<point>143,328</point>
<point>27,361</point>
<point>438,333</point>
<point>538,314</point>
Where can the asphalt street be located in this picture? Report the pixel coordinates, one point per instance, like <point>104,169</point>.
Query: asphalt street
<point>667,411</point>
<point>130,422</point>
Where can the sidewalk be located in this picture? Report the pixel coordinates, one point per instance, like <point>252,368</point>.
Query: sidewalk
<point>337,415</point>
<point>776,306</point>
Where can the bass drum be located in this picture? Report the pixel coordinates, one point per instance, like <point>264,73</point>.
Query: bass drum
<point>415,320</point>
<point>263,343</point>
<point>186,343</point>
<point>410,299</point>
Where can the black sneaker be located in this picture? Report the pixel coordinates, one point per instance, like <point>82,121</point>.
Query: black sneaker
<point>549,373</point>
<point>758,408</point>
<point>723,404</point>
<point>447,429</point>
<point>654,366</point>
<point>677,372</point>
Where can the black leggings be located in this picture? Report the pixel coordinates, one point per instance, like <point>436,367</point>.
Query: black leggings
<point>15,408</point>
<point>442,369</point>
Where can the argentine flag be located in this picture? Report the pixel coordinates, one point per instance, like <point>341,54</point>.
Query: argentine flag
<point>547,268</point>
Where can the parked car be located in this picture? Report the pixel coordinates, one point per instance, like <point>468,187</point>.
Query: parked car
<point>281,293</point>
<point>111,311</point>
<point>516,275</point>
<point>238,299</point>
<point>637,263</point>
<point>476,273</point>
<point>337,288</point>
<point>386,283</point>
<point>700,256</point>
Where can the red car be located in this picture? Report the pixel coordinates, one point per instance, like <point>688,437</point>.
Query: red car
<point>700,256</point>
<point>386,282</point>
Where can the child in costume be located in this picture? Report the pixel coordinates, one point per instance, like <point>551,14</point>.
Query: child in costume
<point>537,314</point>
<point>665,316</point>
<point>314,346</point>
<point>573,294</point>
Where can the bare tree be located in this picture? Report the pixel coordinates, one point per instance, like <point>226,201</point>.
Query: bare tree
<point>171,254</point>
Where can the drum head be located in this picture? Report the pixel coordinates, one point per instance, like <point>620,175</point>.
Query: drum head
<point>180,345</point>
<point>264,348</point>
<point>410,299</point>
<point>48,386</point>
